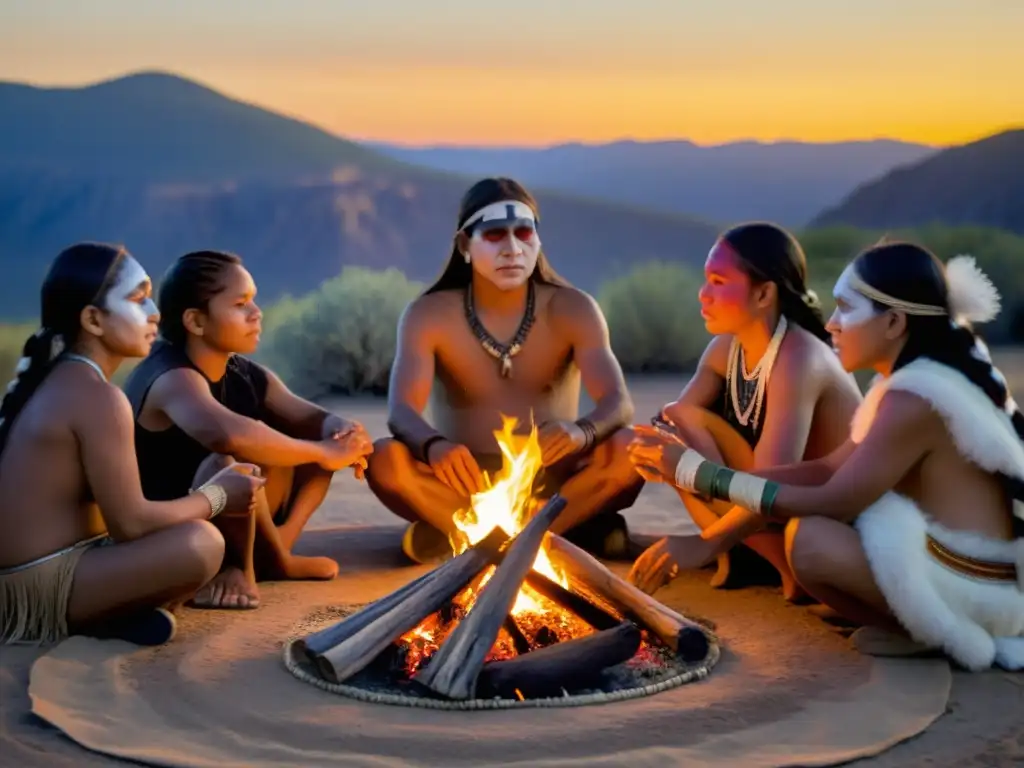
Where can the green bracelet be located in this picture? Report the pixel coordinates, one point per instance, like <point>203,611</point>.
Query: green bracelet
<point>714,481</point>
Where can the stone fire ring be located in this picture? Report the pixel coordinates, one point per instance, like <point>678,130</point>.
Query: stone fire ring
<point>687,673</point>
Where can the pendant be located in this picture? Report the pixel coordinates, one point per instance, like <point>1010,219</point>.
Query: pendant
<point>506,367</point>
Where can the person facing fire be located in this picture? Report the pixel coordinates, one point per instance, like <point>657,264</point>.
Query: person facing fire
<point>932,477</point>
<point>768,389</point>
<point>501,335</point>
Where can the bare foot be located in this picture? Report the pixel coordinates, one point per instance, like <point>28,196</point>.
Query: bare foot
<point>300,568</point>
<point>793,592</point>
<point>229,589</point>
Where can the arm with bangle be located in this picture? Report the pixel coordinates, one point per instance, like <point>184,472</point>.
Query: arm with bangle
<point>902,433</point>
<point>599,369</point>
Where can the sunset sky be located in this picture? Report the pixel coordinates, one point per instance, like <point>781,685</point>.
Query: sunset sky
<point>544,71</point>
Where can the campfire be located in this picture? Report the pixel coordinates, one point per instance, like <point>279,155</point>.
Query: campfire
<point>517,612</point>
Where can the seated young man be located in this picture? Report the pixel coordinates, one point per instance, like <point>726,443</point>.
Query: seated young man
<point>200,404</point>
<point>932,477</point>
<point>501,334</point>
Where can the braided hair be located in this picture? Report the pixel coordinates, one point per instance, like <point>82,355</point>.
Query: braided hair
<point>770,254</point>
<point>80,276</point>
<point>911,273</point>
<point>190,283</point>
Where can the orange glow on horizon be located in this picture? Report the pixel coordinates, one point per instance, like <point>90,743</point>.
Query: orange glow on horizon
<point>937,73</point>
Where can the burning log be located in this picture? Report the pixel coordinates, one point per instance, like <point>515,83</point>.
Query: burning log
<point>573,664</point>
<point>454,669</point>
<point>593,615</point>
<point>353,643</point>
<point>685,637</point>
<point>519,640</point>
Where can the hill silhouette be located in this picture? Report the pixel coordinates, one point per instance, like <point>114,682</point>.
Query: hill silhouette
<point>155,126</point>
<point>788,182</point>
<point>981,183</point>
<point>166,165</point>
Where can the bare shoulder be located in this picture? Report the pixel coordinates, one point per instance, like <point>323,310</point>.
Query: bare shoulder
<point>903,412</point>
<point>804,355</point>
<point>175,381</point>
<point>96,405</point>
<point>716,354</point>
<point>432,310</point>
<point>568,302</point>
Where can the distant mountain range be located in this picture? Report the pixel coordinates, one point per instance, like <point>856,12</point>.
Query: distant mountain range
<point>981,183</point>
<point>165,166</point>
<point>786,182</point>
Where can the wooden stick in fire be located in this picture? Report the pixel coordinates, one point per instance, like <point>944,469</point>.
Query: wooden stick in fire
<point>571,664</point>
<point>454,669</point>
<point>360,638</point>
<point>685,637</point>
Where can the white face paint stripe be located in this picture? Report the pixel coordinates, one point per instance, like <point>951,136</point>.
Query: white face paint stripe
<point>132,275</point>
<point>859,308</point>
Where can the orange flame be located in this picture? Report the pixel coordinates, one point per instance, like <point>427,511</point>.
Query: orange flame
<point>507,503</point>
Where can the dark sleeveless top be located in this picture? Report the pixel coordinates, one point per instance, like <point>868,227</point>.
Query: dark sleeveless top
<point>168,459</point>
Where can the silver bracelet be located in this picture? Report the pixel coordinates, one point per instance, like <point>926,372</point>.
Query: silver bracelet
<point>217,497</point>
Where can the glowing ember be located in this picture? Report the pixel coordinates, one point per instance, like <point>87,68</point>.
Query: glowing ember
<point>507,503</point>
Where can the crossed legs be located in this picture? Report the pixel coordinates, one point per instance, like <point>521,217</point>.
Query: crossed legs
<point>156,570</point>
<point>606,483</point>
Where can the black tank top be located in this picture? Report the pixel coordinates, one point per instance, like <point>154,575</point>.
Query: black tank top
<point>168,459</point>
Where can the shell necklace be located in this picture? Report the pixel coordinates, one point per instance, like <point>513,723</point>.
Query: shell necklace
<point>762,372</point>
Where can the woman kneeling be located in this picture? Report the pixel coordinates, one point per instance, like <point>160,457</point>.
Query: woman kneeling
<point>769,390</point>
<point>933,475</point>
<point>81,549</point>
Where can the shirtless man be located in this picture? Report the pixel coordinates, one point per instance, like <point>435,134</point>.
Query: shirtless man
<point>200,404</point>
<point>501,333</point>
<point>82,550</point>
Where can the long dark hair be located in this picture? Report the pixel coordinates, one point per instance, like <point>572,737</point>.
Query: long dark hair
<point>768,253</point>
<point>457,272</point>
<point>190,283</point>
<point>79,277</point>
<point>909,272</point>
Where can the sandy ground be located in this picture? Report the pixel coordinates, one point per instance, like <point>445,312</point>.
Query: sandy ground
<point>776,653</point>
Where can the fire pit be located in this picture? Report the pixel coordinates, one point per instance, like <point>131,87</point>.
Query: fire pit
<point>519,617</point>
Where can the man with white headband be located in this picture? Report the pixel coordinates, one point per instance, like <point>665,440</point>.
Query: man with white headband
<point>501,335</point>
<point>916,526</point>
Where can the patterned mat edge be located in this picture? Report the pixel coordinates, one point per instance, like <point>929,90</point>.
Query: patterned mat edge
<point>293,663</point>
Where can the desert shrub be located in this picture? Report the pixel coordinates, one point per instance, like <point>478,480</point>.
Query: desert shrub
<point>12,339</point>
<point>339,339</point>
<point>653,316</point>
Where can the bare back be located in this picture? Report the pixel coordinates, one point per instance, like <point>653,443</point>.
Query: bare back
<point>470,396</point>
<point>958,494</point>
<point>45,503</point>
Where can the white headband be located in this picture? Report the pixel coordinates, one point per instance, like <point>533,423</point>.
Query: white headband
<point>972,296</point>
<point>504,210</point>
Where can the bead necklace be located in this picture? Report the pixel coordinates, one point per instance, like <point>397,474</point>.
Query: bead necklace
<point>762,373</point>
<point>503,353</point>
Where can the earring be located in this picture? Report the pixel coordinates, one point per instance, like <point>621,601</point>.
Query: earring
<point>465,255</point>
